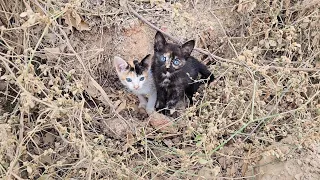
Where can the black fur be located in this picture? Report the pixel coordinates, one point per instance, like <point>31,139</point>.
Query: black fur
<point>175,81</point>
<point>140,67</point>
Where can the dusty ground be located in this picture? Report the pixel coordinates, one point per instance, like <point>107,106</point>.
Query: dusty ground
<point>302,164</point>
<point>260,119</point>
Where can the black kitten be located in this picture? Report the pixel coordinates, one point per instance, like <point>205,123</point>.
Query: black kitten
<point>176,72</point>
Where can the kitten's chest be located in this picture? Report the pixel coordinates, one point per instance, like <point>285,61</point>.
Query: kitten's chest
<point>145,90</point>
<point>167,79</point>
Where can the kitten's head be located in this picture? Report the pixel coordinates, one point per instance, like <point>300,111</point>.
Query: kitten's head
<point>132,75</point>
<point>171,57</point>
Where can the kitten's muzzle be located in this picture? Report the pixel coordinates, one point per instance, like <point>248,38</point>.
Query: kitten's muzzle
<point>168,64</point>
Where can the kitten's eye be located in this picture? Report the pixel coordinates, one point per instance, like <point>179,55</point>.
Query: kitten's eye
<point>142,78</point>
<point>163,58</point>
<point>176,61</point>
<point>129,79</point>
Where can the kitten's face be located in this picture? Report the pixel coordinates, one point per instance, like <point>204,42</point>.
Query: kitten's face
<point>132,75</point>
<point>171,57</point>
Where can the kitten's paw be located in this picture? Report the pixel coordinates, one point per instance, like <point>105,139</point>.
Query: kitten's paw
<point>142,110</point>
<point>171,111</point>
<point>165,112</point>
<point>150,110</point>
<point>142,105</point>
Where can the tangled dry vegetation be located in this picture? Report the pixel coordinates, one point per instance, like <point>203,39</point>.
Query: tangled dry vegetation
<point>65,115</point>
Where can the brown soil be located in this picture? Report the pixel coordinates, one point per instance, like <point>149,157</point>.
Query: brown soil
<point>302,164</point>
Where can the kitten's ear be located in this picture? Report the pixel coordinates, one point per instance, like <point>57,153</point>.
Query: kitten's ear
<point>119,64</point>
<point>188,47</point>
<point>146,61</point>
<point>159,41</point>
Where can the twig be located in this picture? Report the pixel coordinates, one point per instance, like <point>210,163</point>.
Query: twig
<point>240,63</point>
<point>237,157</point>
<point>233,178</point>
<point>151,25</point>
<point>225,33</point>
<point>94,82</point>
<point>16,176</point>
<point>104,95</point>
<point>21,127</point>
<point>274,107</point>
<point>177,40</point>
<point>239,120</point>
<point>18,148</point>
<point>263,119</point>
<point>82,130</point>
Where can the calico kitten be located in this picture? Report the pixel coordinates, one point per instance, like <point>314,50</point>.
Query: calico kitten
<point>137,77</point>
<point>176,71</point>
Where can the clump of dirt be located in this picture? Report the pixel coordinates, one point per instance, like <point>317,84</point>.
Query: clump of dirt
<point>64,114</point>
<point>302,164</point>
<point>135,41</point>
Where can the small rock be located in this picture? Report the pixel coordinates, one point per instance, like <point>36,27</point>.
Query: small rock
<point>117,128</point>
<point>314,163</point>
<point>162,123</point>
<point>168,142</point>
<point>299,162</point>
<point>298,176</point>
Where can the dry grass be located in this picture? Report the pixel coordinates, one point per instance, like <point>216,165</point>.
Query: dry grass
<point>63,114</point>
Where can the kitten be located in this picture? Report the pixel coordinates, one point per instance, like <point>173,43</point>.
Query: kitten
<point>176,71</point>
<point>137,77</point>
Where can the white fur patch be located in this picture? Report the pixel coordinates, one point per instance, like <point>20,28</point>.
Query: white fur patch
<point>172,101</point>
<point>167,74</point>
<point>144,88</point>
<point>165,83</point>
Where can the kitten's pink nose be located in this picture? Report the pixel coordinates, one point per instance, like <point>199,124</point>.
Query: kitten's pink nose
<point>136,87</point>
